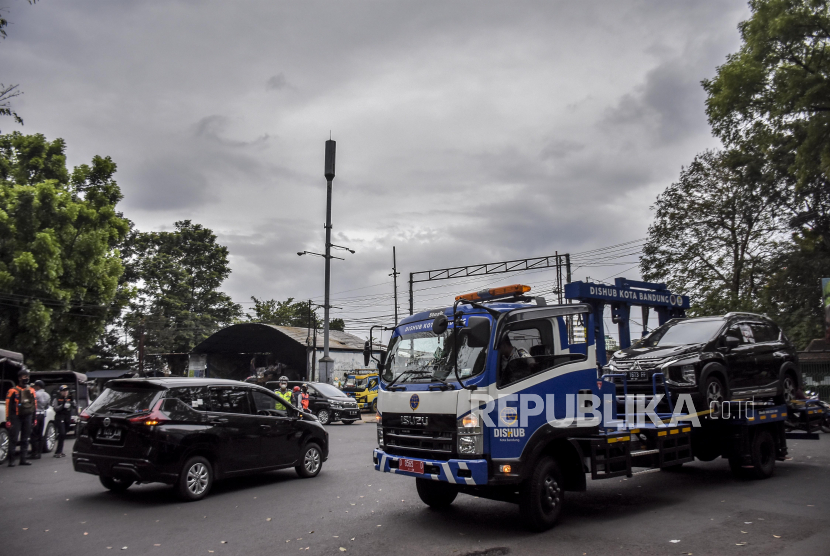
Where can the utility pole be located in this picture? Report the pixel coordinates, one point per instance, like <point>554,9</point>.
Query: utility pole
<point>141,351</point>
<point>312,353</point>
<point>326,362</point>
<point>394,276</point>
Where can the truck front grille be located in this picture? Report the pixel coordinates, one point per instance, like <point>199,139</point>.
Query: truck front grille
<point>435,441</point>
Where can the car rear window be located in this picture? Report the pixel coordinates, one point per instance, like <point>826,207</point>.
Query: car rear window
<point>124,400</point>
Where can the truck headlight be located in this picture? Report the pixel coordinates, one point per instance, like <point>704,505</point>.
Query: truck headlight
<point>380,436</point>
<point>688,373</point>
<point>467,444</point>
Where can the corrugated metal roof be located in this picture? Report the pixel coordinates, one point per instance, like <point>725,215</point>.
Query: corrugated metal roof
<point>337,339</point>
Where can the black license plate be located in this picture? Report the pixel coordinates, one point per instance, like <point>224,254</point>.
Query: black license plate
<point>110,434</point>
<point>638,375</point>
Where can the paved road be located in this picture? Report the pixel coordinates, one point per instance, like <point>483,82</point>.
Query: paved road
<point>49,509</point>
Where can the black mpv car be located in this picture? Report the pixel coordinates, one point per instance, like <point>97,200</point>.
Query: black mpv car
<point>327,402</point>
<point>188,432</point>
<point>739,355</point>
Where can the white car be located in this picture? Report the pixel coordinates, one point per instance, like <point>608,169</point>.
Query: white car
<point>50,433</point>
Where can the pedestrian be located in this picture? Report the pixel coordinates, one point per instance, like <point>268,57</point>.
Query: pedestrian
<point>43,400</point>
<point>297,397</point>
<point>21,405</point>
<point>304,396</point>
<point>283,393</point>
<point>63,405</point>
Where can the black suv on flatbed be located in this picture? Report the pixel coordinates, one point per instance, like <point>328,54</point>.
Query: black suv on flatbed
<point>188,432</point>
<point>739,355</point>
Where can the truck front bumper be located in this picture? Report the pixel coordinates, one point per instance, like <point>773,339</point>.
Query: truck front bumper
<point>456,471</point>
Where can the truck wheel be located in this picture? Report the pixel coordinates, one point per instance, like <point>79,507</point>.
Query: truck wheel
<point>311,461</point>
<point>324,416</point>
<point>435,494</point>
<point>541,496</point>
<point>114,484</point>
<point>375,405</point>
<point>195,479</point>
<point>763,455</point>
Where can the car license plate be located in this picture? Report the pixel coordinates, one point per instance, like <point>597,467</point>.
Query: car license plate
<point>109,433</point>
<point>411,465</point>
<point>638,375</point>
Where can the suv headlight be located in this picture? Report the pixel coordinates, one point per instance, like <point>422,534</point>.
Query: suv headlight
<point>688,373</point>
<point>335,405</point>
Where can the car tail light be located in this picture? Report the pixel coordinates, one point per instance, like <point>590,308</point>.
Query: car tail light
<point>155,417</point>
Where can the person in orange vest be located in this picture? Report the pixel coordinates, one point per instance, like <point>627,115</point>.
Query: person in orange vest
<point>21,404</point>
<point>304,397</point>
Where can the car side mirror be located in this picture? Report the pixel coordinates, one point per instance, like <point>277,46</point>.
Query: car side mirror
<point>367,353</point>
<point>477,332</point>
<point>731,342</point>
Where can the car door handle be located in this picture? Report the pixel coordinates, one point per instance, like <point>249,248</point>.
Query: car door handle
<point>218,421</point>
<point>265,427</point>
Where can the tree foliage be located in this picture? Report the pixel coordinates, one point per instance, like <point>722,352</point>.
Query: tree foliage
<point>289,313</point>
<point>59,266</point>
<point>178,302</point>
<point>715,232</point>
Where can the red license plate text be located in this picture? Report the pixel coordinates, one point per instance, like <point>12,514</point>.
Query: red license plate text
<point>411,465</point>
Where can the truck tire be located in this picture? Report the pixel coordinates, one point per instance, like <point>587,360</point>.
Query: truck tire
<point>541,496</point>
<point>435,494</point>
<point>114,484</point>
<point>763,455</point>
<point>375,405</point>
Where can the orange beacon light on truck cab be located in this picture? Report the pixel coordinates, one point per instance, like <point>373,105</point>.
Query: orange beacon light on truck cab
<point>495,293</point>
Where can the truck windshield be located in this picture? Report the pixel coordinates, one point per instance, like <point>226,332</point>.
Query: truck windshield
<point>683,332</point>
<point>427,357</point>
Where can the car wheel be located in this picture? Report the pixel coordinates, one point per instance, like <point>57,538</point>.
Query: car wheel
<point>435,494</point>
<point>50,438</point>
<point>114,484</point>
<point>195,479</point>
<point>714,391</point>
<point>4,445</point>
<point>788,389</point>
<point>324,416</point>
<point>541,496</point>
<point>311,461</point>
<point>763,455</point>
<point>348,421</point>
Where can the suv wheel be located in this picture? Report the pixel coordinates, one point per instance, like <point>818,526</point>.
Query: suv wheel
<point>788,388</point>
<point>714,391</point>
<point>324,415</point>
<point>114,484</point>
<point>311,461</point>
<point>195,479</point>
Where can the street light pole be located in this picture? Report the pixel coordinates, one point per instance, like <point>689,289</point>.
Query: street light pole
<point>326,362</point>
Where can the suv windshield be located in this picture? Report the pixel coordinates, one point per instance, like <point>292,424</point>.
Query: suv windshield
<point>328,390</point>
<point>124,400</point>
<point>427,357</point>
<point>683,332</point>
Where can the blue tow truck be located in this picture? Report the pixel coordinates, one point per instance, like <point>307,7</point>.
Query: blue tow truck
<point>504,397</point>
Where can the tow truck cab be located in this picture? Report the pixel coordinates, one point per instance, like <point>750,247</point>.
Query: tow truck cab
<point>363,387</point>
<point>446,431</point>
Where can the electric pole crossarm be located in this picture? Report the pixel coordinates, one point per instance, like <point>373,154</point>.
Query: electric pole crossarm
<point>532,263</point>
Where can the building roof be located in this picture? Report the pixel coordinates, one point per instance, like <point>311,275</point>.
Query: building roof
<point>268,338</point>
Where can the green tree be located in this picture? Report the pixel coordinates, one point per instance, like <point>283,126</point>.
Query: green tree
<point>178,302</point>
<point>289,313</point>
<point>59,263</point>
<point>714,233</point>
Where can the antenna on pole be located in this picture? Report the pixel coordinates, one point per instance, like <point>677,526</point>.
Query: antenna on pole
<point>394,276</point>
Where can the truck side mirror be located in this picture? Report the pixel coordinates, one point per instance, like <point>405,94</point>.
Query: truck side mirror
<point>478,332</point>
<point>367,353</point>
<point>440,324</point>
<point>381,359</point>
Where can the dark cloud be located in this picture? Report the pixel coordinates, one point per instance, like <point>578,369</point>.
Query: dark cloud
<point>466,132</point>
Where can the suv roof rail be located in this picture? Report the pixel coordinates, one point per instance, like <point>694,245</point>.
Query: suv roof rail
<point>744,314</point>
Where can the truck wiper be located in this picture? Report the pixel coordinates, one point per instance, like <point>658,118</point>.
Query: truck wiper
<point>444,384</point>
<point>407,372</point>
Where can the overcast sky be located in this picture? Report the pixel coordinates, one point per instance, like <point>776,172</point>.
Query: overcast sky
<point>467,132</point>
